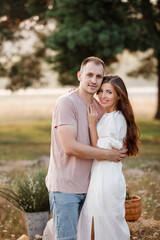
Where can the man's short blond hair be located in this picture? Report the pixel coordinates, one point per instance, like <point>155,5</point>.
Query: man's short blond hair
<point>96,60</point>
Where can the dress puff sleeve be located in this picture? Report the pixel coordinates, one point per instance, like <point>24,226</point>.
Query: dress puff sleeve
<point>112,130</point>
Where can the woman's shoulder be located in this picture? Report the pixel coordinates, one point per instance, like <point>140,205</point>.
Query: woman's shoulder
<point>118,116</point>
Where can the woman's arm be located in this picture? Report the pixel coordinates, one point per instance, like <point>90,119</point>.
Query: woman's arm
<point>92,121</point>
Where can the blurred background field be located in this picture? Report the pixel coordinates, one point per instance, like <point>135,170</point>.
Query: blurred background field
<point>25,137</point>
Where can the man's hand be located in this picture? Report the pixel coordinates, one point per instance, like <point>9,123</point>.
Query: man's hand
<point>124,143</point>
<point>115,155</point>
<point>71,89</point>
<point>118,155</point>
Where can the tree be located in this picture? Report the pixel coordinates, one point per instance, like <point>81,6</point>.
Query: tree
<point>25,72</point>
<point>12,13</point>
<point>144,18</point>
<point>103,29</point>
<point>85,28</point>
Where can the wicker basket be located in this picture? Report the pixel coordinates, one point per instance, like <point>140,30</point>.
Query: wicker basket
<point>132,207</point>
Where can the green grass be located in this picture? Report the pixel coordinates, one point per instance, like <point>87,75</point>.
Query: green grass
<point>150,130</point>
<point>30,140</point>
<point>150,144</point>
<point>27,140</point>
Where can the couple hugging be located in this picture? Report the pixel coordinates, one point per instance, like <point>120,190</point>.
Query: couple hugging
<point>89,140</point>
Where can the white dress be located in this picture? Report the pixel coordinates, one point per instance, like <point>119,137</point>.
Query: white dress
<point>106,193</point>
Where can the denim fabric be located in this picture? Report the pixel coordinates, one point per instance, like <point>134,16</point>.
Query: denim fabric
<point>66,208</point>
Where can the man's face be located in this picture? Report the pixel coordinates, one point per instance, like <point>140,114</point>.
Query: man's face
<point>90,77</point>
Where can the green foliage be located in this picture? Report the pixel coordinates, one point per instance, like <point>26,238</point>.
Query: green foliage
<point>100,28</point>
<point>2,70</point>
<point>17,11</point>
<point>147,69</point>
<point>85,28</point>
<point>145,16</point>
<point>144,20</point>
<point>25,72</point>
<point>128,195</point>
<point>29,192</point>
<point>37,7</point>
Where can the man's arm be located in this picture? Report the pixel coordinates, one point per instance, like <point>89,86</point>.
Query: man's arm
<point>67,135</point>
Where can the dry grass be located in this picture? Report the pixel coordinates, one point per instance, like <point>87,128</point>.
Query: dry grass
<point>145,229</point>
<point>12,221</point>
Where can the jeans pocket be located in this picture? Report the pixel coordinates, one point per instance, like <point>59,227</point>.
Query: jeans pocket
<point>51,201</point>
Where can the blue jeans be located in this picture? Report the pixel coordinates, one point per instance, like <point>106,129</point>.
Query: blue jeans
<point>66,208</point>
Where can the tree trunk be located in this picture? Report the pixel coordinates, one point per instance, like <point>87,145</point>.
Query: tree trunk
<point>157,116</point>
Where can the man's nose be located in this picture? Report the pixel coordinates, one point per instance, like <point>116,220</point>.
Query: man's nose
<point>94,80</point>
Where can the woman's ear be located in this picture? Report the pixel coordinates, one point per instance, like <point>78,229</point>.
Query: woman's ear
<point>79,75</point>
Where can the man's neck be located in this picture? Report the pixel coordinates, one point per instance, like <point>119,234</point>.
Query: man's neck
<point>86,97</point>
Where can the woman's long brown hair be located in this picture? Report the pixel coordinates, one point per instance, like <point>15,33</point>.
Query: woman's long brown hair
<point>125,107</point>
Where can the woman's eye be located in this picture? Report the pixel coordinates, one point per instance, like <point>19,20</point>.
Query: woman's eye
<point>109,92</point>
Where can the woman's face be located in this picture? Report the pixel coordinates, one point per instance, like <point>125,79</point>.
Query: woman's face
<point>108,97</point>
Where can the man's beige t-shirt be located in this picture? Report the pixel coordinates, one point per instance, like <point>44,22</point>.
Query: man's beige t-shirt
<point>66,173</point>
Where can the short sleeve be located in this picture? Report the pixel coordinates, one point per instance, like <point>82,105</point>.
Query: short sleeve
<point>64,113</point>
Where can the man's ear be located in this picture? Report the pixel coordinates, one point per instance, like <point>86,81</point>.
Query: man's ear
<point>79,75</point>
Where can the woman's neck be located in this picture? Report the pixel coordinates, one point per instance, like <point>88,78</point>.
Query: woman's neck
<point>110,110</point>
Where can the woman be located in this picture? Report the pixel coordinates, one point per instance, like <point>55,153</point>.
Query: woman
<point>103,214</point>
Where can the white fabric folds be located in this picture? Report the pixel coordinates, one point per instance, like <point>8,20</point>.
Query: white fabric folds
<point>106,194</point>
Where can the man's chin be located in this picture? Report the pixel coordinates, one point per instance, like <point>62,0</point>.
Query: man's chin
<point>92,91</point>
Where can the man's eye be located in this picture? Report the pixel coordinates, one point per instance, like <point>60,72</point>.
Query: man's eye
<point>89,75</point>
<point>99,76</point>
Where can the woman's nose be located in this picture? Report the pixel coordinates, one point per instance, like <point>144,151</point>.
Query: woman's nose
<point>103,94</point>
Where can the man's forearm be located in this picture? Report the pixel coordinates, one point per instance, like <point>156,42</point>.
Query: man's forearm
<point>68,138</point>
<point>81,150</point>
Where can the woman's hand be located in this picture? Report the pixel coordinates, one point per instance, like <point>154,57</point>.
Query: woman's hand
<point>92,121</point>
<point>71,90</point>
<point>92,116</point>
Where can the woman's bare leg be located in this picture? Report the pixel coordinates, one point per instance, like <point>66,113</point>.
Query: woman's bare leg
<point>92,229</point>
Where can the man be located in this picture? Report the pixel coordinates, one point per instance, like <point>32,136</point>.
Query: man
<point>71,154</point>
